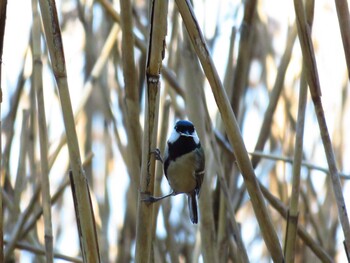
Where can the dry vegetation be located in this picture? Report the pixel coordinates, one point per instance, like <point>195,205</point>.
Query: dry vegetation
<point>99,85</point>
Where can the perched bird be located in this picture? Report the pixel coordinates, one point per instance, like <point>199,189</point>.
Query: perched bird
<point>184,164</point>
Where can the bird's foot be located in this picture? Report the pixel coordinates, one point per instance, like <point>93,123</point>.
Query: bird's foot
<point>148,198</point>
<point>157,155</point>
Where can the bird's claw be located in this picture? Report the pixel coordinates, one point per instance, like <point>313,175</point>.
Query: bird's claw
<point>157,155</point>
<point>147,198</point>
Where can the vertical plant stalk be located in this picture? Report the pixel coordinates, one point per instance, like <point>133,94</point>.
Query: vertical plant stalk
<point>344,25</point>
<point>38,84</point>
<point>315,90</point>
<point>195,109</point>
<point>265,130</point>
<point>233,132</point>
<point>244,55</point>
<point>158,29</point>
<point>164,124</point>
<point>16,217</point>
<point>84,212</point>
<point>293,213</point>
<point>131,101</point>
<point>3,7</point>
<point>159,169</point>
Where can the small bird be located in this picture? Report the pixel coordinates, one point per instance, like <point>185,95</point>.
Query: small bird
<point>184,164</point>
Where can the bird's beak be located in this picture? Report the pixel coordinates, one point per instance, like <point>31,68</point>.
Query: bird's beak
<point>186,134</point>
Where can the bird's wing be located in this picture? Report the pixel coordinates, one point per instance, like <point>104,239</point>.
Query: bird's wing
<point>166,160</point>
<point>199,173</point>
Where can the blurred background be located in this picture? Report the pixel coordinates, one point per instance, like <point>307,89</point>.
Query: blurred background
<point>92,39</point>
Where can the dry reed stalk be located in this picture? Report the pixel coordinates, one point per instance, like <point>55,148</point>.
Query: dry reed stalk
<point>131,99</point>
<point>244,55</point>
<point>16,229</point>
<point>344,25</point>
<point>42,251</point>
<point>265,130</point>
<point>230,67</point>
<point>167,73</point>
<point>3,9</point>
<point>38,85</point>
<point>87,90</point>
<point>241,254</point>
<point>233,132</point>
<point>293,212</point>
<point>315,90</point>
<point>195,109</point>
<point>158,30</point>
<point>282,209</point>
<point>84,212</point>
<point>282,158</point>
<point>159,174</point>
<point>21,181</point>
<point>159,168</point>
<point>30,223</point>
<point>17,218</point>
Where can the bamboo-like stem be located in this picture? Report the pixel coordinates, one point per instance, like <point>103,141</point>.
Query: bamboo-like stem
<point>233,132</point>
<point>3,9</point>
<point>283,211</point>
<point>159,172</point>
<point>166,72</point>
<point>228,78</point>
<point>41,251</point>
<point>97,69</point>
<point>21,219</point>
<point>306,164</point>
<point>84,213</point>
<point>129,69</point>
<point>158,29</point>
<point>87,90</point>
<point>225,198</point>
<point>30,223</point>
<point>244,55</point>
<point>303,234</point>
<point>195,109</point>
<point>17,218</point>
<point>315,90</point>
<point>130,103</point>
<point>275,94</point>
<point>344,25</point>
<point>21,170</point>
<point>159,168</point>
<point>37,81</point>
<point>241,254</point>
<point>131,100</point>
<point>293,213</point>
<point>9,122</point>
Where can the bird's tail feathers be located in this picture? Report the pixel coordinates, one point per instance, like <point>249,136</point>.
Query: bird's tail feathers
<point>193,207</point>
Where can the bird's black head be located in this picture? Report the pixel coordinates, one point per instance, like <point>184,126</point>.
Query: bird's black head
<point>182,140</point>
<point>184,127</point>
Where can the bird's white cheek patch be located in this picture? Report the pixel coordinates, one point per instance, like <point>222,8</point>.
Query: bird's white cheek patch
<point>195,137</point>
<point>173,137</point>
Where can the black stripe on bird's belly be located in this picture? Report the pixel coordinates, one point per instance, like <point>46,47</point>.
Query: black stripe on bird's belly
<point>181,146</point>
